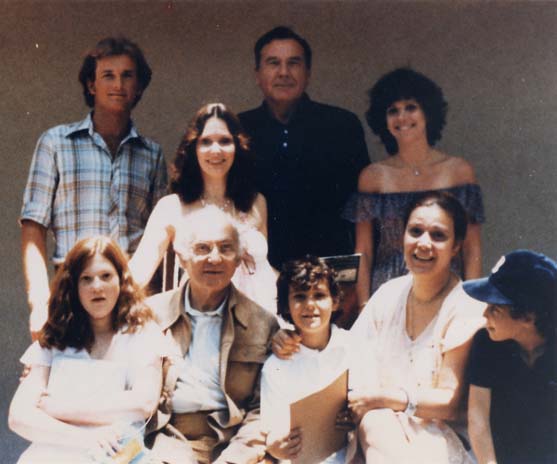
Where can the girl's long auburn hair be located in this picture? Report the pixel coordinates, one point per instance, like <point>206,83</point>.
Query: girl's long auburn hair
<point>68,323</point>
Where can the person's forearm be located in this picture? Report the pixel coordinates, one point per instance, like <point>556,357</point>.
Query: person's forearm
<point>479,424</point>
<point>363,284</point>
<point>472,253</point>
<point>437,403</point>
<point>143,265</point>
<point>430,403</point>
<point>35,425</point>
<point>33,252</point>
<point>482,442</point>
<point>129,405</point>
<point>152,247</point>
<point>364,245</point>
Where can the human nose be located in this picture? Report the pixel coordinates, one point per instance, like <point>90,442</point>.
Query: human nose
<point>118,82</point>
<point>311,303</point>
<point>283,69</point>
<point>424,240</point>
<point>214,255</point>
<point>96,283</point>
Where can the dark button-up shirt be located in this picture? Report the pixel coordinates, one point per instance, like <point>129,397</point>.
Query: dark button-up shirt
<point>306,170</point>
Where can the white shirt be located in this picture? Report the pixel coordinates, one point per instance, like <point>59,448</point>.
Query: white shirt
<point>198,386</point>
<point>284,382</point>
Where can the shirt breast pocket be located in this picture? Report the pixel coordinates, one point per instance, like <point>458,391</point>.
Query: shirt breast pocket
<point>245,362</point>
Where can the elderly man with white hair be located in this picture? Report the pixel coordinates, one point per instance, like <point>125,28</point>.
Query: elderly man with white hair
<point>210,406</point>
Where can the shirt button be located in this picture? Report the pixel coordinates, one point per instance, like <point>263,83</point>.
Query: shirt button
<point>285,144</point>
<point>286,131</point>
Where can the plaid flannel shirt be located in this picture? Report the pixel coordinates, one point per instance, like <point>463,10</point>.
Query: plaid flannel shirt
<point>78,189</point>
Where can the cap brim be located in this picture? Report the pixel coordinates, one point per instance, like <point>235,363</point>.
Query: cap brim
<point>484,290</point>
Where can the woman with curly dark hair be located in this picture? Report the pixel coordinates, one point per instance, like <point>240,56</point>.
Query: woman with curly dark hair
<point>213,166</point>
<point>95,372</point>
<point>408,111</point>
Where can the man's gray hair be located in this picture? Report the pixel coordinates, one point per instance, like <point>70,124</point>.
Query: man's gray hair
<point>194,224</point>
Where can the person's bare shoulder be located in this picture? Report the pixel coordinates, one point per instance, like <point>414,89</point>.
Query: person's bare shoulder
<point>260,203</point>
<point>169,211</point>
<point>461,171</point>
<point>169,201</point>
<point>372,177</point>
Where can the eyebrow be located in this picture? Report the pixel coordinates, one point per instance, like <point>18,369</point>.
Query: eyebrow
<point>289,58</point>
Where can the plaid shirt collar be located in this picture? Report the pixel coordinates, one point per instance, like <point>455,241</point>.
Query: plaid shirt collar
<point>87,126</point>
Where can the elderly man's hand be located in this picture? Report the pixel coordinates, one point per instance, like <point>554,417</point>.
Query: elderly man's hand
<point>285,343</point>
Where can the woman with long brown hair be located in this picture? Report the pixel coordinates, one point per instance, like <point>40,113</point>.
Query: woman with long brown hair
<point>213,166</point>
<point>95,372</point>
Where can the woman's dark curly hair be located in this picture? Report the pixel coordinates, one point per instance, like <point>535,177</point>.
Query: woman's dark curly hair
<point>406,84</point>
<point>302,274</point>
<point>187,180</point>
<point>68,323</point>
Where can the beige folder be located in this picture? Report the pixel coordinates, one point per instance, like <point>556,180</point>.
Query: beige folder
<point>316,415</point>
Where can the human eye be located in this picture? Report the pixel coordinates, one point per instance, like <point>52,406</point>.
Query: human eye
<point>272,62</point>
<point>297,61</point>
<point>321,295</point>
<point>299,296</point>
<point>392,111</point>
<point>201,249</point>
<point>85,278</point>
<point>205,142</point>
<point>226,140</point>
<point>439,235</point>
<point>411,107</point>
<point>415,231</point>
<point>226,248</point>
<point>106,275</point>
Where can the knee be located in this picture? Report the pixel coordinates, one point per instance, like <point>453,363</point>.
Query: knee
<point>374,424</point>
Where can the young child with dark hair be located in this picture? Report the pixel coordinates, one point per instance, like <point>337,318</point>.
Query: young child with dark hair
<point>308,297</point>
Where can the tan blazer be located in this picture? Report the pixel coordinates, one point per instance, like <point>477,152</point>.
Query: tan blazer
<point>245,344</point>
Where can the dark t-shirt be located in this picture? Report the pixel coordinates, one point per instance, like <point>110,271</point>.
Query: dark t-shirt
<point>306,170</point>
<point>523,400</point>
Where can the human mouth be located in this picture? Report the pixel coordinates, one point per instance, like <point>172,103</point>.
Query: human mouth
<point>423,258</point>
<point>212,271</point>
<point>284,85</point>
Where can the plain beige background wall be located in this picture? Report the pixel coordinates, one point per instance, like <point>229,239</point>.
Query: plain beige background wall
<point>496,61</point>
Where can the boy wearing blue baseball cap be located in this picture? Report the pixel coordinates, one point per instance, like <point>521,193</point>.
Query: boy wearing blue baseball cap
<point>512,413</point>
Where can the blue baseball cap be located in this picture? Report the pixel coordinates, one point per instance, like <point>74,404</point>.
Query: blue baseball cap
<point>522,278</point>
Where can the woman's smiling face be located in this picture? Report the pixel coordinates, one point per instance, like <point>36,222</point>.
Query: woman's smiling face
<point>215,149</point>
<point>429,240</point>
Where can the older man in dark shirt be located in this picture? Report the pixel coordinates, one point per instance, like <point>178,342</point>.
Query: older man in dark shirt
<point>308,154</point>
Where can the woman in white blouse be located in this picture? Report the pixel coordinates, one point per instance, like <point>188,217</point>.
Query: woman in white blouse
<point>422,325</point>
